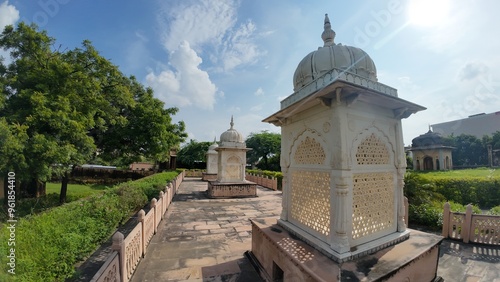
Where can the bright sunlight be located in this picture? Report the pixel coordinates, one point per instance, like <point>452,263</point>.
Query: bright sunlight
<point>429,13</point>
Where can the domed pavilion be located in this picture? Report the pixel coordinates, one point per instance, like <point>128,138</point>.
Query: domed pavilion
<point>231,164</point>
<point>343,165</point>
<point>430,153</point>
<point>212,163</point>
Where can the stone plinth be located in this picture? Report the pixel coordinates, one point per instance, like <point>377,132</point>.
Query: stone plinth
<point>218,189</point>
<point>282,255</point>
<point>209,176</point>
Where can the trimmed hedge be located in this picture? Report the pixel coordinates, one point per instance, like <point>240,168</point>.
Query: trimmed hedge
<point>428,192</point>
<point>277,174</point>
<point>48,245</point>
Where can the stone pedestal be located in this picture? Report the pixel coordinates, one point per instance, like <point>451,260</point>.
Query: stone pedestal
<point>209,176</point>
<point>218,189</point>
<point>281,255</point>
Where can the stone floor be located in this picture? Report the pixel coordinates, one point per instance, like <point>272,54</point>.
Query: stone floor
<point>205,239</point>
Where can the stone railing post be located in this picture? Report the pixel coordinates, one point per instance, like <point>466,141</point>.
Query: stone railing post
<point>446,220</point>
<point>153,207</point>
<point>162,208</point>
<point>406,211</point>
<point>141,216</point>
<point>467,224</point>
<point>119,246</point>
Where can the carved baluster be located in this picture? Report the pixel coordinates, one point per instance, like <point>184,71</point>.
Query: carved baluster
<point>340,241</point>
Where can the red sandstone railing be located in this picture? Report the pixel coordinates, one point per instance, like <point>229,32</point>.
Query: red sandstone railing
<point>264,181</point>
<point>468,227</point>
<point>128,251</point>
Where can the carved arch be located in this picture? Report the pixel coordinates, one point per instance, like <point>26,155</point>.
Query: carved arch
<point>308,148</point>
<point>372,147</point>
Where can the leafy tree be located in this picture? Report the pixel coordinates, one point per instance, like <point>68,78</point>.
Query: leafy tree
<point>40,97</point>
<point>64,108</point>
<point>266,146</point>
<point>192,152</point>
<point>469,150</point>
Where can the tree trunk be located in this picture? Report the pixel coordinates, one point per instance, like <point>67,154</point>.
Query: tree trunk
<point>64,188</point>
<point>33,188</point>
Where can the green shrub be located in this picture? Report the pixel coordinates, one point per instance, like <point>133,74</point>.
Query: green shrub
<point>276,174</point>
<point>48,245</point>
<point>494,210</point>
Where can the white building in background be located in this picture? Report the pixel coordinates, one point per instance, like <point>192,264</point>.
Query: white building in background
<point>477,125</point>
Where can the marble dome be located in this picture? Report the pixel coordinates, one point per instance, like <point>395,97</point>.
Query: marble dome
<point>231,135</point>
<point>212,147</point>
<point>330,56</point>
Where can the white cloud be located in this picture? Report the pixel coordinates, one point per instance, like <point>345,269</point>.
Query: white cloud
<point>187,84</point>
<point>472,70</point>
<point>197,22</point>
<point>8,14</point>
<point>259,92</point>
<point>211,26</point>
<point>240,48</point>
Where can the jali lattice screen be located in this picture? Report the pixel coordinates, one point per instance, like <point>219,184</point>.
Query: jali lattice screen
<point>373,203</point>
<point>310,197</point>
<point>372,151</point>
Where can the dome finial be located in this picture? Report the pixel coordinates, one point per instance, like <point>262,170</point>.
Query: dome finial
<point>231,123</point>
<point>328,34</point>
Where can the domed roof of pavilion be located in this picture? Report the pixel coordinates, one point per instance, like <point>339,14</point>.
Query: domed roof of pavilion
<point>429,139</point>
<point>333,56</point>
<point>211,148</point>
<point>231,135</point>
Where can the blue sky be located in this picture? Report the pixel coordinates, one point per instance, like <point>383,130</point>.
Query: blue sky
<point>217,58</point>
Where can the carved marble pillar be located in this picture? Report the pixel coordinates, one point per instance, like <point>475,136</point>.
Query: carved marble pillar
<point>400,199</point>
<point>341,203</point>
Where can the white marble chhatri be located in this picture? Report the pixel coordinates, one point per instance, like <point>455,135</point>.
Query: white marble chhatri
<point>231,159</point>
<point>342,154</point>
<point>212,162</point>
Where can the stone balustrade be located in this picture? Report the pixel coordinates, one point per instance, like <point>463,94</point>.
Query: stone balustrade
<point>264,181</point>
<point>129,250</point>
<point>468,227</point>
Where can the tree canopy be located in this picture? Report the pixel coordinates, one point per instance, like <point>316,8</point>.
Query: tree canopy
<point>266,150</point>
<point>62,108</point>
<point>191,153</point>
<point>470,150</point>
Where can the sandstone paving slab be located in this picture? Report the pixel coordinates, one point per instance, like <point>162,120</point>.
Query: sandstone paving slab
<point>208,242</point>
<point>180,252</point>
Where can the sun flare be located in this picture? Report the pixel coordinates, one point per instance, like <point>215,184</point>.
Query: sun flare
<point>429,13</point>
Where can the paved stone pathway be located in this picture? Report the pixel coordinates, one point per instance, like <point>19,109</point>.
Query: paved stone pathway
<point>204,239</point>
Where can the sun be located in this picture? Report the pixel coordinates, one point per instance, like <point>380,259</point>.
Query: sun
<point>429,13</point>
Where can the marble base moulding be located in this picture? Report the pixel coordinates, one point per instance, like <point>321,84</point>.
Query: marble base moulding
<point>218,189</point>
<point>278,254</point>
<point>209,176</point>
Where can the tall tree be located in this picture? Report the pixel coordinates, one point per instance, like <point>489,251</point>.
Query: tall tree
<point>69,106</point>
<point>192,153</point>
<point>469,150</point>
<point>265,146</point>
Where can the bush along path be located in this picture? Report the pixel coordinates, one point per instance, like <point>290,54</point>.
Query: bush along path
<point>48,245</point>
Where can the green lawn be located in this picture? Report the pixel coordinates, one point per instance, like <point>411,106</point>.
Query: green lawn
<point>76,190</point>
<point>476,174</point>
<point>29,206</point>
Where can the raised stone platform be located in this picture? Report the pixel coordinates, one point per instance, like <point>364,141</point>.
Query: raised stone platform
<point>281,255</point>
<point>218,189</point>
<point>209,176</point>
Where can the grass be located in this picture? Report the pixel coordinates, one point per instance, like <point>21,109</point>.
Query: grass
<point>76,190</point>
<point>473,174</point>
<point>30,206</point>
